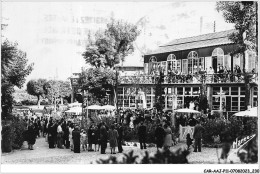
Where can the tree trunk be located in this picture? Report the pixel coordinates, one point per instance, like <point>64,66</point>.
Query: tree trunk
<point>61,100</point>
<point>55,104</point>
<point>38,101</point>
<point>247,90</point>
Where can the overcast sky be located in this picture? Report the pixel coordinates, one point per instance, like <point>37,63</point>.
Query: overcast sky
<point>53,33</point>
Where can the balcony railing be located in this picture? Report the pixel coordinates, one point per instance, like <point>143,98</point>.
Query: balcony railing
<point>191,78</point>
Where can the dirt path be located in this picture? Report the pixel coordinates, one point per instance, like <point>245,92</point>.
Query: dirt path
<point>43,155</point>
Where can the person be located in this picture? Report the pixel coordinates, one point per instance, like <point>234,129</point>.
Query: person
<point>192,121</point>
<point>31,136</point>
<point>59,136</point>
<point>113,135</point>
<point>120,137</point>
<point>168,136</point>
<point>97,137</point>
<point>220,73</point>
<point>91,137</point>
<point>84,142</point>
<point>210,72</point>
<point>76,139</point>
<point>142,135</point>
<point>66,136</point>
<point>197,135</point>
<point>159,136</point>
<point>71,128</point>
<point>51,133</point>
<point>188,141</point>
<point>103,138</point>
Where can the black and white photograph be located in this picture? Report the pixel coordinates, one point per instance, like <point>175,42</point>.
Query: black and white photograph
<point>131,82</point>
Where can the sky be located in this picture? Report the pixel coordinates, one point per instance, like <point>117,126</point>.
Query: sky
<point>54,34</point>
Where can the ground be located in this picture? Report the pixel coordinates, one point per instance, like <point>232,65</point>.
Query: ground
<point>43,155</point>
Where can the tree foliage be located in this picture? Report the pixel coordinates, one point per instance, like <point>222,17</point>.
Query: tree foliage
<point>36,88</point>
<point>112,45</point>
<point>57,89</point>
<point>14,70</point>
<point>244,15</point>
<point>97,81</point>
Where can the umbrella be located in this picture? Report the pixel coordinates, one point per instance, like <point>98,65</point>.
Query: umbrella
<point>76,104</point>
<point>248,113</point>
<point>95,107</point>
<point>187,111</point>
<point>108,107</point>
<point>76,110</point>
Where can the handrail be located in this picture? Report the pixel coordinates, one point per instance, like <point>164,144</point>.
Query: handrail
<point>190,78</point>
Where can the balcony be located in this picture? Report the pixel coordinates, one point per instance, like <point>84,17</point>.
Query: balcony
<point>191,78</point>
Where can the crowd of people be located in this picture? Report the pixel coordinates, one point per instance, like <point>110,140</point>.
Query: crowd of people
<point>66,133</point>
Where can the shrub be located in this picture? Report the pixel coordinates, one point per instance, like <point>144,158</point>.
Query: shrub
<point>227,130</point>
<point>160,157</point>
<point>12,134</point>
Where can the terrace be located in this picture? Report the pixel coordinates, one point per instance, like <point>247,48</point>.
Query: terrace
<point>219,78</point>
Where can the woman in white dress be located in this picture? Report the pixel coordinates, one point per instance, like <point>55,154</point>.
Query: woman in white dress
<point>71,128</point>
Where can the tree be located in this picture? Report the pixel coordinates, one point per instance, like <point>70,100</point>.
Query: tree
<point>98,81</point>
<point>111,45</point>
<point>159,99</point>
<point>244,15</point>
<point>57,89</point>
<point>14,70</point>
<point>36,88</point>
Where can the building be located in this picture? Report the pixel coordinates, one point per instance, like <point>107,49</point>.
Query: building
<point>187,58</point>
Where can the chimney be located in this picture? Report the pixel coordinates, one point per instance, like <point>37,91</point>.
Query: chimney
<point>201,24</point>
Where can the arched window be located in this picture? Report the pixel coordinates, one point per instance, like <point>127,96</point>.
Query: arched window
<point>194,62</point>
<point>152,64</point>
<point>193,54</point>
<point>172,63</point>
<point>217,54</point>
<point>153,59</point>
<point>171,57</point>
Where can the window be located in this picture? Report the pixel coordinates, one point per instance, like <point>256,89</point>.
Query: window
<point>148,91</point>
<point>216,90</point>
<point>120,101</point>
<point>219,53</point>
<point>169,102</point>
<point>179,90</point>
<point>242,103</point>
<point>120,91</point>
<point>126,101</point>
<point>234,104</point>
<point>196,91</point>
<point>242,90</point>
<point>193,54</point>
<point>187,91</point>
<point>149,101</point>
<point>193,63</point>
<point>255,91</point>
<point>234,90</point>
<point>179,102</point>
<point>132,101</point>
<point>225,90</point>
<point>215,103</point>
<point>172,63</point>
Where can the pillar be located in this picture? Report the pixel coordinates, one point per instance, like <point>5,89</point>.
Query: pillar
<point>72,95</point>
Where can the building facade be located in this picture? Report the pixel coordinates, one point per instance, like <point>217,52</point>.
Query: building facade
<point>188,65</point>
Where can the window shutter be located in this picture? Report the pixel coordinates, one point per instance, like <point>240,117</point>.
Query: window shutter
<point>146,68</point>
<point>227,61</point>
<point>208,63</point>
<point>185,66</point>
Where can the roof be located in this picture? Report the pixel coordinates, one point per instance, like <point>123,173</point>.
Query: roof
<point>205,40</point>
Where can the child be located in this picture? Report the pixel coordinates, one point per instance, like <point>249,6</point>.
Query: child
<point>84,141</point>
<point>188,140</point>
